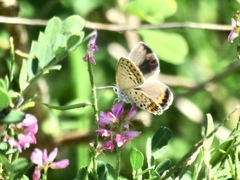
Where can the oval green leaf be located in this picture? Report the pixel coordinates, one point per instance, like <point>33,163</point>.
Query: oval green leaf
<point>4,99</point>
<point>136,159</point>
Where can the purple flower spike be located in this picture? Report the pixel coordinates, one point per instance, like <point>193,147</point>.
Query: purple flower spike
<point>117,126</point>
<point>92,47</point>
<point>234,33</point>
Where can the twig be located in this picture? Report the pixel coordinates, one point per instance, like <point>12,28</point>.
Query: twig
<point>229,70</point>
<point>116,27</point>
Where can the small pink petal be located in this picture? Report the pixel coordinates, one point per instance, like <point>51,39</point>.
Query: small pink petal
<point>105,119</point>
<point>120,140</point>
<point>37,157</point>
<point>60,164</point>
<point>118,110</point>
<point>234,22</point>
<point>104,132</point>
<point>132,112</point>
<point>132,134</point>
<point>52,155</point>
<point>36,174</point>
<point>110,145</point>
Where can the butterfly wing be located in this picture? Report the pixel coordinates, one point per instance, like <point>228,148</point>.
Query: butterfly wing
<point>152,96</point>
<point>128,75</point>
<point>145,59</point>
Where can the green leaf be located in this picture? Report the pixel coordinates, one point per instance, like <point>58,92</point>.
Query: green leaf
<point>169,47</point>
<point>160,152</point>
<point>153,11</point>
<point>210,127</point>
<point>198,164</point>
<point>7,166</point>
<point>82,174</point>
<point>53,29</point>
<point>23,74</point>
<point>136,159</point>
<point>3,146</point>
<point>61,42</point>
<point>4,83</point>
<point>68,107</point>
<point>161,138</point>
<point>33,63</point>
<point>4,99</point>
<point>220,152</point>
<point>74,41</point>
<point>20,167</point>
<point>105,171</point>
<point>163,166</point>
<point>14,116</point>
<point>43,39</point>
<point>44,54</point>
<point>73,24</point>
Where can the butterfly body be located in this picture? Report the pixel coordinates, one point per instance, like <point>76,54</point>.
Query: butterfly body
<point>136,83</point>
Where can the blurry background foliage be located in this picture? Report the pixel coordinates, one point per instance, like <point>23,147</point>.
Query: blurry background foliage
<point>187,56</point>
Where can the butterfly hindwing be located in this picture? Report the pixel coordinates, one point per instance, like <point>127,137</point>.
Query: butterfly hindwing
<point>158,92</point>
<point>143,101</point>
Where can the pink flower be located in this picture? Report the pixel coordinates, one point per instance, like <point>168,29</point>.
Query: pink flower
<point>92,47</point>
<point>43,160</point>
<point>104,132</point>
<point>109,118</point>
<point>234,33</point>
<point>118,125</point>
<point>123,139</point>
<point>26,131</point>
<point>110,145</point>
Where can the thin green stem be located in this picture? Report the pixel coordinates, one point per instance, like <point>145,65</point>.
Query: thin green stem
<point>119,150</point>
<point>95,108</point>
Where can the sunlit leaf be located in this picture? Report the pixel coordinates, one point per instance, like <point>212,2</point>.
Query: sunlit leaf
<point>20,167</point>
<point>14,116</point>
<point>23,77</point>
<point>53,29</point>
<point>136,159</point>
<point>4,99</point>
<point>73,24</point>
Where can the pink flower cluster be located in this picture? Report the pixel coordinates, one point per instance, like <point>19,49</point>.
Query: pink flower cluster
<point>44,161</point>
<point>25,132</point>
<point>118,126</point>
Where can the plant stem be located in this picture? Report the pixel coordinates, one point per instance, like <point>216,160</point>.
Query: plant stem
<point>12,66</point>
<point>95,108</point>
<point>118,161</point>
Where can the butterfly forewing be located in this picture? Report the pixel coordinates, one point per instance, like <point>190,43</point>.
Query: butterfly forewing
<point>128,75</point>
<point>144,58</point>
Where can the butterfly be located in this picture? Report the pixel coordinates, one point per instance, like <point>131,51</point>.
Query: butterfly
<point>136,81</point>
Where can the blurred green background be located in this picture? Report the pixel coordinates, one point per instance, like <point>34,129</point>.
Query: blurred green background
<point>188,57</point>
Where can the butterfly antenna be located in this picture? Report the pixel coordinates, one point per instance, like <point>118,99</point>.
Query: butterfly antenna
<point>104,87</point>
